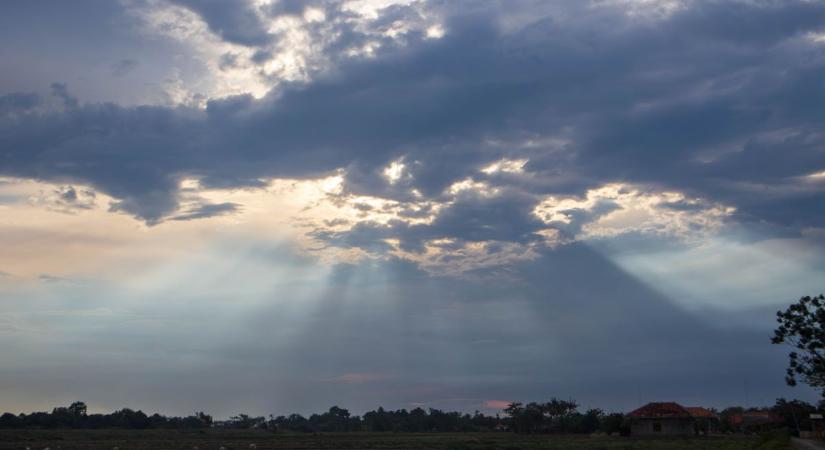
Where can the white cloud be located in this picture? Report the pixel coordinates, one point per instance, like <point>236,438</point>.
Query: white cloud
<point>394,171</point>
<point>446,257</point>
<point>199,73</point>
<point>476,187</point>
<point>505,165</point>
<point>617,209</point>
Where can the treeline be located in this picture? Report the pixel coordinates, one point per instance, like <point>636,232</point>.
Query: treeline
<point>561,416</point>
<point>415,420</point>
<point>554,416</point>
<point>517,418</point>
<point>335,420</point>
<point>76,416</point>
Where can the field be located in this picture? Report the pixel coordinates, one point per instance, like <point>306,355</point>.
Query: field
<point>235,440</point>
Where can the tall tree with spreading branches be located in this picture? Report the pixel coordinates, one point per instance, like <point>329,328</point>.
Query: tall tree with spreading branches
<point>802,326</point>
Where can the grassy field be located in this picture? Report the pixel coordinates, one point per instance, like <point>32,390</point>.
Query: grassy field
<point>235,440</point>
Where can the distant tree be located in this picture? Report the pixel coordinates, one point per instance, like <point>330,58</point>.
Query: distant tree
<point>77,409</point>
<point>204,418</point>
<point>802,326</point>
<point>553,416</point>
<point>128,418</point>
<point>9,420</point>
<point>558,414</point>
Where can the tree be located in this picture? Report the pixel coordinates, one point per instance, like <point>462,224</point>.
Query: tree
<point>78,409</point>
<point>802,326</point>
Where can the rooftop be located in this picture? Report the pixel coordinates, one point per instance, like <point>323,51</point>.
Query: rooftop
<point>660,410</point>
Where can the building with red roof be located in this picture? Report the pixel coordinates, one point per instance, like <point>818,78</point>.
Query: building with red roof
<point>707,421</point>
<point>671,418</point>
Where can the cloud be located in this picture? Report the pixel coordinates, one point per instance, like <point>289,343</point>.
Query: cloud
<point>496,404</point>
<point>124,67</point>
<point>616,209</point>
<point>50,278</point>
<point>489,121</point>
<point>20,102</point>
<point>61,91</point>
<point>208,210</point>
<point>66,199</point>
<point>234,20</point>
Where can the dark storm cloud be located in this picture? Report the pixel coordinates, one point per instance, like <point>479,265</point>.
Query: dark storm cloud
<point>710,100</point>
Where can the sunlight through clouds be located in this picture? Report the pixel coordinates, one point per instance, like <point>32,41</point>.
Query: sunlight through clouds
<point>756,273</point>
<point>244,203</point>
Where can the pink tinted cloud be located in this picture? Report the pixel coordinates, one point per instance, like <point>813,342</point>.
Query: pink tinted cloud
<point>496,404</point>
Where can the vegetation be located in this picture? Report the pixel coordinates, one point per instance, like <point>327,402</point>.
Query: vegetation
<point>558,417</point>
<point>75,416</point>
<point>802,326</point>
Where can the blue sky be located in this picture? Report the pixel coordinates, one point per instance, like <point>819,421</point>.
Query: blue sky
<point>277,205</point>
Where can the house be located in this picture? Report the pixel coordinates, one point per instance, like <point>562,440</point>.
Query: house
<point>661,418</point>
<point>754,421</point>
<point>707,421</point>
<point>817,427</point>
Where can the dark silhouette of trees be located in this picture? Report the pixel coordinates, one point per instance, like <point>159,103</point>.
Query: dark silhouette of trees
<point>243,421</point>
<point>559,416</point>
<point>76,416</point>
<point>802,326</point>
<point>554,416</point>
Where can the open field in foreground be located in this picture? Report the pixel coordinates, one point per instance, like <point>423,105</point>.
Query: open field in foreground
<point>235,440</point>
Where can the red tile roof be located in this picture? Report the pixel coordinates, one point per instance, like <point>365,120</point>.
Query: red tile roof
<point>698,411</point>
<point>660,410</point>
<point>754,418</point>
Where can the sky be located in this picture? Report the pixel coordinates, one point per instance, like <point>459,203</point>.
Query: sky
<point>275,206</point>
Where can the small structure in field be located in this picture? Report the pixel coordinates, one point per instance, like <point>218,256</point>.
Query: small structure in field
<point>661,419</point>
